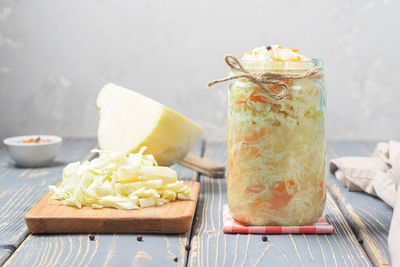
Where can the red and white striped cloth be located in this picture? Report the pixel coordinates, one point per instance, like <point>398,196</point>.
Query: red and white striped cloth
<point>231,226</point>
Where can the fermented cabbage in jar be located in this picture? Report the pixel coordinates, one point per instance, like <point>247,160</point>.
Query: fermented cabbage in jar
<point>277,148</point>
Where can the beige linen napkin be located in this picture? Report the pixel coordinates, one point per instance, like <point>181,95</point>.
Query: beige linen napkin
<point>378,175</point>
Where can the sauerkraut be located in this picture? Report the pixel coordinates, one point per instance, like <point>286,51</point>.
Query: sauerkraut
<point>276,148</point>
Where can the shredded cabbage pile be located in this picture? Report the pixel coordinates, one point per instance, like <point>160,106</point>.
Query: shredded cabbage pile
<point>276,154</point>
<point>118,180</point>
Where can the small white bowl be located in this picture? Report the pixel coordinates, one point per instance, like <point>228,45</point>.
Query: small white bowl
<point>33,154</point>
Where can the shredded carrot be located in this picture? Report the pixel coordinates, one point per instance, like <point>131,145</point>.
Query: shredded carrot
<point>281,187</point>
<point>280,197</point>
<point>291,182</point>
<point>275,88</point>
<point>293,49</point>
<point>255,98</point>
<point>255,152</point>
<point>256,189</point>
<point>234,155</point>
<point>278,202</point>
<point>259,203</point>
<point>288,82</point>
<point>322,185</point>
<point>255,136</point>
<point>258,98</point>
<point>231,162</point>
<point>297,58</point>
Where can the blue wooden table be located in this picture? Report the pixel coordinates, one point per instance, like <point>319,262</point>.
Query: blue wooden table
<point>361,223</point>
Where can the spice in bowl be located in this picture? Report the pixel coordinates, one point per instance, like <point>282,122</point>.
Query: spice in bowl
<point>33,150</point>
<point>37,140</point>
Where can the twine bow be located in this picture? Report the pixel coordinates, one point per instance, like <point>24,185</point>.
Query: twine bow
<point>265,78</point>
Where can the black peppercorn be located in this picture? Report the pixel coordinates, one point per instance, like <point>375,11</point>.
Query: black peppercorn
<point>268,47</point>
<point>91,237</point>
<point>187,247</point>
<point>264,238</point>
<point>139,238</point>
<point>175,259</point>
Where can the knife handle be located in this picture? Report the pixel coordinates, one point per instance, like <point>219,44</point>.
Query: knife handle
<point>203,166</point>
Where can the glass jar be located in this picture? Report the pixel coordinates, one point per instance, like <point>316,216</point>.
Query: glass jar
<point>277,148</point>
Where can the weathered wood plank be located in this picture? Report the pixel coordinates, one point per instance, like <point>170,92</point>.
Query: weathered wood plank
<point>368,216</point>
<point>210,247</point>
<point>105,250</point>
<point>5,253</point>
<point>20,188</point>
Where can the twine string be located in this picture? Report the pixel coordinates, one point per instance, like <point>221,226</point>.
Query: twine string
<point>265,78</point>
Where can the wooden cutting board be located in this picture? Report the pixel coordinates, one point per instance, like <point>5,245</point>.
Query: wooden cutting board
<point>171,218</point>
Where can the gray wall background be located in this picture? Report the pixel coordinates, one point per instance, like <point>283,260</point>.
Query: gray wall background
<point>56,55</point>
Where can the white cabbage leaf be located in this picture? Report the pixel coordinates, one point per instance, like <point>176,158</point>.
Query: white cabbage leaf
<point>119,180</point>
